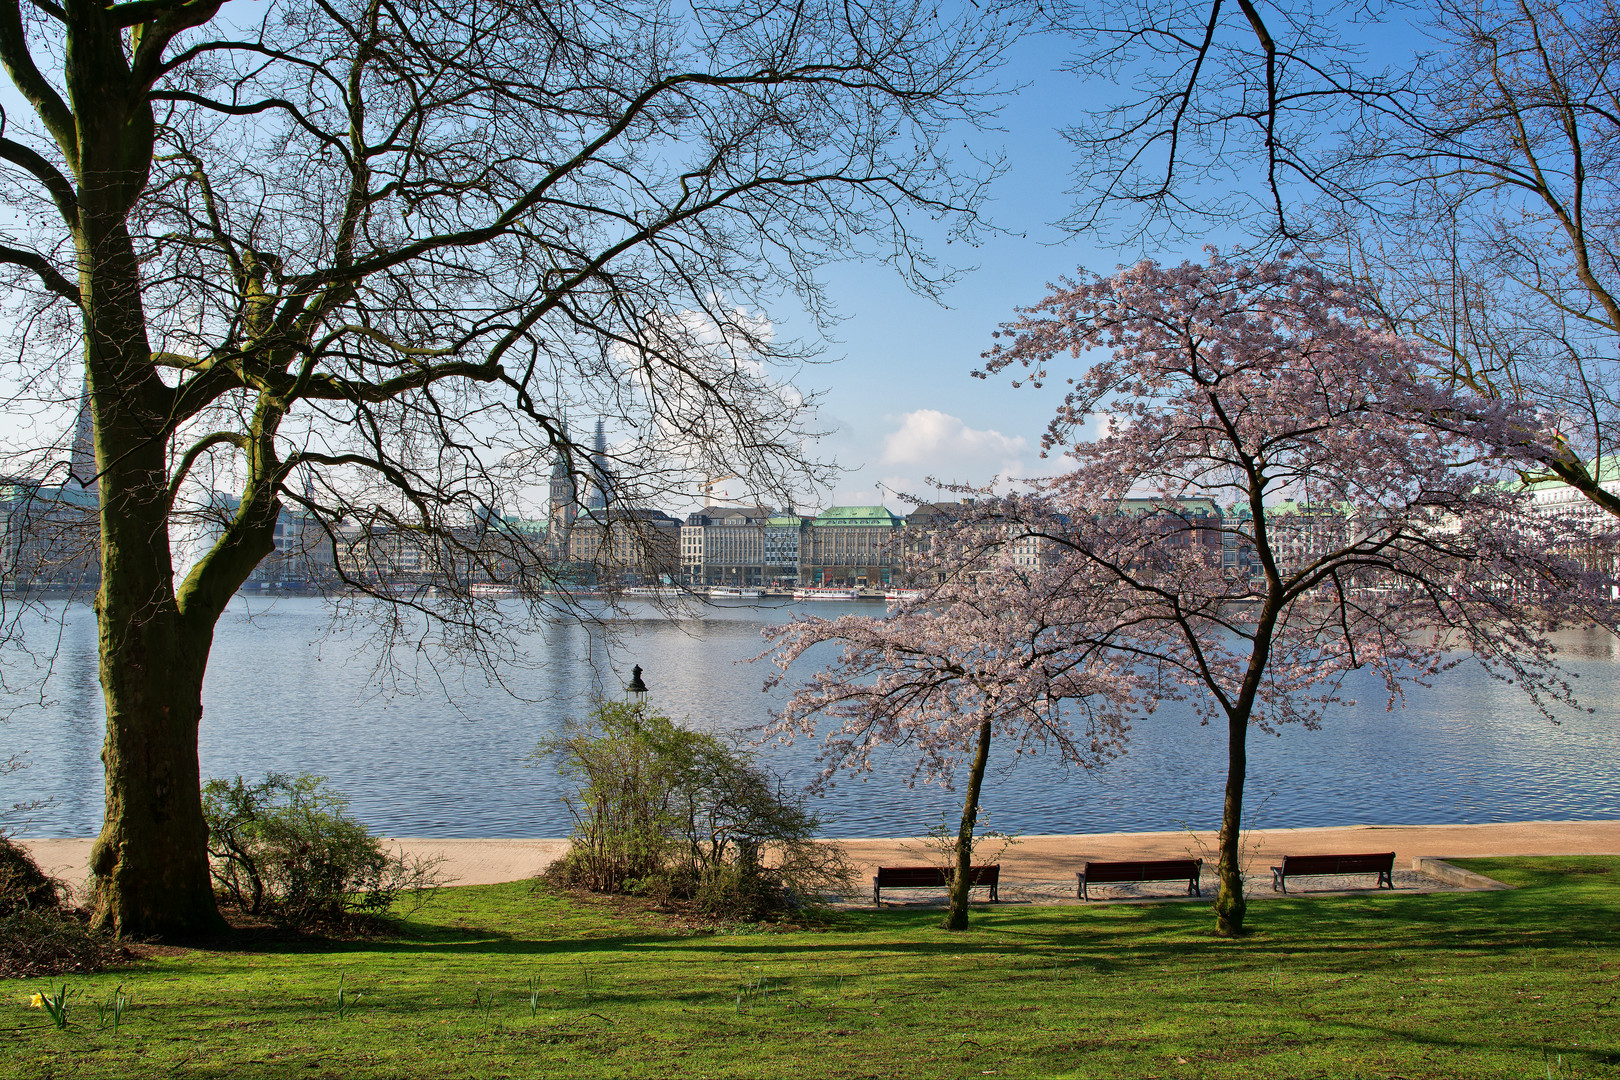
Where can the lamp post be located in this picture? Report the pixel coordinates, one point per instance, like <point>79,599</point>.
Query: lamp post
<point>636,687</point>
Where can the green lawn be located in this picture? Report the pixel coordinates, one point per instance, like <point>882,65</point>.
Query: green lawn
<point>1523,984</point>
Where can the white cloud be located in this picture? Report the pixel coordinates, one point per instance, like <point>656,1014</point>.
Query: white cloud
<point>929,444</point>
<point>951,449</point>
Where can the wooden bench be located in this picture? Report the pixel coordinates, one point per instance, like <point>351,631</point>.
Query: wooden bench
<point>1382,863</point>
<point>1112,873</point>
<point>932,877</point>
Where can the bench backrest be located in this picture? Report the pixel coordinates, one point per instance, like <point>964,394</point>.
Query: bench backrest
<point>1339,864</point>
<point>1143,870</point>
<point>923,877</point>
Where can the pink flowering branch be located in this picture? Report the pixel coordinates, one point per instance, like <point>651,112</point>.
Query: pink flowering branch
<point>1363,521</point>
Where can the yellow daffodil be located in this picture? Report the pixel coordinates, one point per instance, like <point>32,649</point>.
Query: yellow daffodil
<point>37,1001</point>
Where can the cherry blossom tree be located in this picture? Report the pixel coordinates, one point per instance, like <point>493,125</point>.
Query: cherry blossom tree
<point>994,649</point>
<point>1397,548</point>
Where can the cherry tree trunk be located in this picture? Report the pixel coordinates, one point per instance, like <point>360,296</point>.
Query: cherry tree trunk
<point>962,882</point>
<point>1229,902</point>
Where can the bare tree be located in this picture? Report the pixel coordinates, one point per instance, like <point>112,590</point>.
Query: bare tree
<point>1473,185</point>
<point>1498,243</point>
<point>1223,113</point>
<point>364,258</point>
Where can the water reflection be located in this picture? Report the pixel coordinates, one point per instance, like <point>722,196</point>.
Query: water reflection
<point>449,757</point>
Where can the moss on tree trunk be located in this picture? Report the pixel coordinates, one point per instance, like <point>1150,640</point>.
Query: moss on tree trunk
<point>150,863</point>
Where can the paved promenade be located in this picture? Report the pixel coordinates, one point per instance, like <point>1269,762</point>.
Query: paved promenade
<point>1035,859</point>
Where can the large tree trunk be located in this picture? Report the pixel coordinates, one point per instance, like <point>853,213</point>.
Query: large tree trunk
<point>962,883</point>
<point>150,863</point>
<point>1229,902</point>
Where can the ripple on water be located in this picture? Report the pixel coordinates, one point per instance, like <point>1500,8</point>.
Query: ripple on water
<point>452,761</point>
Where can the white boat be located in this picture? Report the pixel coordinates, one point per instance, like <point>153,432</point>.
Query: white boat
<point>488,591</point>
<point>657,592</point>
<point>732,592</point>
<point>820,593</point>
<point>895,596</point>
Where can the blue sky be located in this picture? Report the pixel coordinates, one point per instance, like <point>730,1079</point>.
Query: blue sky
<point>901,398</point>
<point>900,395</point>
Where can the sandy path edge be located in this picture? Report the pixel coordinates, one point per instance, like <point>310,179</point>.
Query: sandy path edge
<point>1033,858</point>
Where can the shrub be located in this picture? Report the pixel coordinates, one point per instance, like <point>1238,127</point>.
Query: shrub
<point>680,817</point>
<point>40,934</point>
<point>53,941</point>
<point>23,885</point>
<point>286,847</point>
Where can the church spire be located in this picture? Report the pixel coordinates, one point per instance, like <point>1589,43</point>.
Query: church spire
<point>82,463</point>
<point>601,490</point>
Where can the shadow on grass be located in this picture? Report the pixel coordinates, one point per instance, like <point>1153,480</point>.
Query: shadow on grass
<point>1560,903</point>
<point>1540,1053</point>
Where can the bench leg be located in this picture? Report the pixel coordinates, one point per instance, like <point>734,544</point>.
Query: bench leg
<point>1080,889</point>
<point>1279,882</point>
<point>1192,887</point>
<point>995,895</point>
<point>875,900</point>
<point>1386,879</point>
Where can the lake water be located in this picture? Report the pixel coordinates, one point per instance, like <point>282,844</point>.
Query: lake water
<point>448,757</point>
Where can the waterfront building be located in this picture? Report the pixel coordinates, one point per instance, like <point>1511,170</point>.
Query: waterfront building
<point>1556,497</point>
<point>850,547</point>
<point>564,500</point>
<point>926,525</point>
<point>625,544</point>
<point>507,550</point>
<point>1301,533</point>
<point>1182,521</point>
<point>302,555</point>
<point>784,541</point>
<point>1594,526</point>
<point>82,464</point>
<point>573,491</point>
<point>601,493</point>
<point>921,537</point>
<point>1237,553</point>
<point>726,545</point>
<point>50,537</point>
<point>387,553</point>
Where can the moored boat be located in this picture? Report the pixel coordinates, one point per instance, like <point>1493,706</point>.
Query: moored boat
<point>652,591</point>
<point>732,592</point>
<point>815,592</point>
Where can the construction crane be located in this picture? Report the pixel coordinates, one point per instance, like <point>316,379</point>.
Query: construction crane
<point>710,481</point>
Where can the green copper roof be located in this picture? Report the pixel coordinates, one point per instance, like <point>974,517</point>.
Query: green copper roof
<point>521,526</point>
<point>857,515</point>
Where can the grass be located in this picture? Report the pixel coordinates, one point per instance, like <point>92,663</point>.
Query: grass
<point>1522,984</point>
